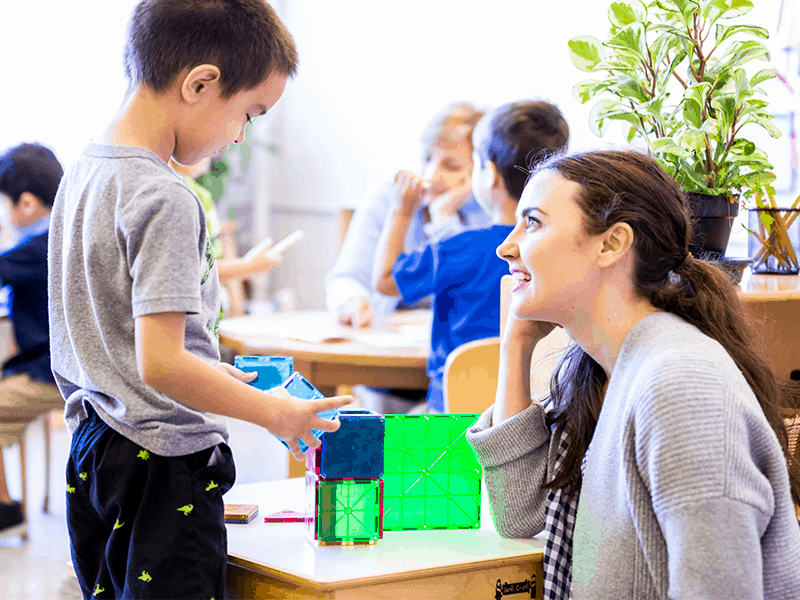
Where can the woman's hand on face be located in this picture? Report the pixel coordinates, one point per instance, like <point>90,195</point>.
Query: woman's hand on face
<point>449,203</point>
<point>526,332</point>
<point>410,191</point>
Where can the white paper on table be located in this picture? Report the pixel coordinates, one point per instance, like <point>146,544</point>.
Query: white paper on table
<point>385,340</point>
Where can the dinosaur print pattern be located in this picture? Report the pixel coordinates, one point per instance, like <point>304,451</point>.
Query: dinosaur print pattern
<point>83,476</point>
<point>70,489</point>
<point>143,454</point>
<point>186,509</point>
<point>145,576</point>
<point>98,589</point>
<point>118,524</point>
<point>211,485</point>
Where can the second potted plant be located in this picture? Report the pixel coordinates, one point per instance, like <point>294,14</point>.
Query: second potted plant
<point>672,73</point>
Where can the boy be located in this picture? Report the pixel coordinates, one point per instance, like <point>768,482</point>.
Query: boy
<point>462,272</point>
<point>134,307</point>
<point>29,177</point>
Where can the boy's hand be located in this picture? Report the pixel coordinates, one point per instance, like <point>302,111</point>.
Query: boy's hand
<point>237,373</point>
<point>295,418</point>
<point>410,191</point>
<point>355,311</point>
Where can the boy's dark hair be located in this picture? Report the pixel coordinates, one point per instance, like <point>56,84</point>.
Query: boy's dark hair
<point>244,38</point>
<point>518,136</point>
<point>30,168</point>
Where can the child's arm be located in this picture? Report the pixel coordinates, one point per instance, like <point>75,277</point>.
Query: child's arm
<point>167,366</point>
<point>410,191</point>
<point>234,269</point>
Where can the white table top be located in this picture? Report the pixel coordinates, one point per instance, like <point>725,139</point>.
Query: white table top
<point>283,550</point>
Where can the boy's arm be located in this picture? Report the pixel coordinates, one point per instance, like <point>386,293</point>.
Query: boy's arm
<point>409,190</point>
<point>164,364</point>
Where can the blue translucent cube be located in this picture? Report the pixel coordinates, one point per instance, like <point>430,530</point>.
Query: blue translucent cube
<point>354,451</point>
<point>299,387</point>
<point>272,370</point>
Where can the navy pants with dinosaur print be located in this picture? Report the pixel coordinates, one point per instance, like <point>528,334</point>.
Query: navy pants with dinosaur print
<point>145,526</point>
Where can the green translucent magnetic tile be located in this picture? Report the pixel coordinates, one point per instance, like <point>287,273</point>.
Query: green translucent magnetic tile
<point>346,511</point>
<point>432,479</point>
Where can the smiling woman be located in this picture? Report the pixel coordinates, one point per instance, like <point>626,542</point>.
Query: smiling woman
<point>629,495</point>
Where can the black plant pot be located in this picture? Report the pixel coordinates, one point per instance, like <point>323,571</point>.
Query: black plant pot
<point>712,221</point>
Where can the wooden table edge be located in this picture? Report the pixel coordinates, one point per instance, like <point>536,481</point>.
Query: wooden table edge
<point>331,586</point>
<point>400,361</point>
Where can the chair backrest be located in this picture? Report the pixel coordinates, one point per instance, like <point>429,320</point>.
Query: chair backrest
<point>470,376</point>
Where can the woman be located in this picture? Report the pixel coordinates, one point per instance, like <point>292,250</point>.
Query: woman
<point>660,466</point>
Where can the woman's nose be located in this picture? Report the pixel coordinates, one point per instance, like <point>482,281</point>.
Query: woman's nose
<point>508,250</point>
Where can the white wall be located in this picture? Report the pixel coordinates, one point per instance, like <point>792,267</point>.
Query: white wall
<point>371,76</point>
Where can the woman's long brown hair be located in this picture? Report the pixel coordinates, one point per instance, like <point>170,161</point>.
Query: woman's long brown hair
<point>630,187</point>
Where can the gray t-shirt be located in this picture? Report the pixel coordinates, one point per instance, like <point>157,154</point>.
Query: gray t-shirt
<point>128,238</point>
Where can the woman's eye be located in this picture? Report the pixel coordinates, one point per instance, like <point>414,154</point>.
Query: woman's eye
<point>532,221</point>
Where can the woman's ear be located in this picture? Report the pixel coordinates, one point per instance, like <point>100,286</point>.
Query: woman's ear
<point>199,82</point>
<point>617,242</point>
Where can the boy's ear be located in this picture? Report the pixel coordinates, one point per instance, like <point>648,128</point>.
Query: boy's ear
<point>198,82</point>
<point>29,202</point>
<point>497,180</point>
<point>618,240</point>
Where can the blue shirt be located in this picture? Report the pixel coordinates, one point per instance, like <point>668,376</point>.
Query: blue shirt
<point>352,274</point>
<point>23,268</point>
<point>463,273</point>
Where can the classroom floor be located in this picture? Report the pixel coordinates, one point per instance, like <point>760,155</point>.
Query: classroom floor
<point>39,568</point>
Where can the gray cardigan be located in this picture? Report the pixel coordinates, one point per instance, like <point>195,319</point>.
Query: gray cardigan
<point>686,491</point>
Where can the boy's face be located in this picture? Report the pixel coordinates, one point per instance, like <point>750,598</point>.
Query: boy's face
<point>16,216</point>
<point>447,165</point>
<point>214,123</point>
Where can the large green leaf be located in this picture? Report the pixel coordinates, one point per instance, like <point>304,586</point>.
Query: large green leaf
<point>698,92</point>
<point>630,88</point>
<point>693,140</point>
<point>692,112</point>
<point>669,29</point>
<point>585,52</point>
<point>761,76</point>
<point>687,8</point>
<point>723,32</point>
<point>711,127</point>
<point>597,116</point>
<point>667,145</point>
<point>619,63</point>
<point>767,124</point>
<point>743,52</point>
<point>583,90</point>
<point>737,8</point>
<point>654,107</point>
<point>725,107</point>
<point>630,39</point>
<point>625,13</point>
<point>743,147</point>
<point>743,89</point>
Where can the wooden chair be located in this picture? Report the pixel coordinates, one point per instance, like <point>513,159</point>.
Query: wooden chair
<point>470,376</point>
<point>13,432</point>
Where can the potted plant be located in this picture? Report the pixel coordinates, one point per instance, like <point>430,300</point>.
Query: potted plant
<point>672,73</point>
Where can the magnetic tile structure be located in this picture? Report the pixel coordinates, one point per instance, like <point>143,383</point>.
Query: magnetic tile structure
<point>432,479</point>
<point>344,512</point>
<point>344,489</point>
<point>272,370</point>
<point>354,451</point>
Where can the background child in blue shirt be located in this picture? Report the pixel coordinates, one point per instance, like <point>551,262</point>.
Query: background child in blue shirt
<point>29,177</point>
<point>463,272</point>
